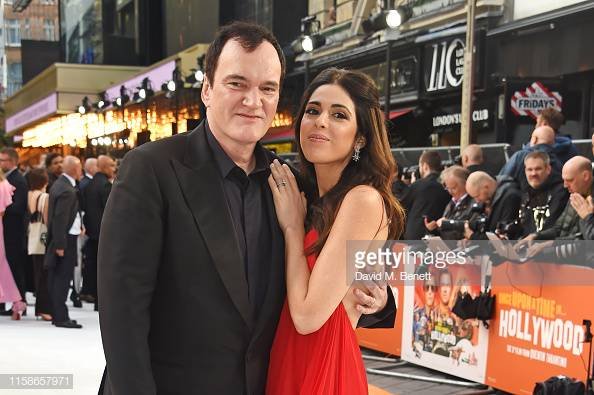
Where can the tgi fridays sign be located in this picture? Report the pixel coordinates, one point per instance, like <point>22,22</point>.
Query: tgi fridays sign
<point>535,98</point>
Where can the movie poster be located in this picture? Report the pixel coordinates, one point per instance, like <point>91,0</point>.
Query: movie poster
<point>540,309</point>
<point>433,336</point>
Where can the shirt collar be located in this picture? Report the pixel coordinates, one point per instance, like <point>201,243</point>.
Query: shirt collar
<point>9,172</point>
<point>70,179</point>
<point>225,164</point>
<point>88,175</point>
<point>456,202</point>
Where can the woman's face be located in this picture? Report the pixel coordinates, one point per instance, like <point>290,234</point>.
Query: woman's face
<point>445,287</point>
<point>329,126</point>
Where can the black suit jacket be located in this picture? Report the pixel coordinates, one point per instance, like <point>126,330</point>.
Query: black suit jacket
<point>62,210</point>
<point>15,215</point>
<point>424,197</point>
<point>95,197</point>
<point>175,315</point>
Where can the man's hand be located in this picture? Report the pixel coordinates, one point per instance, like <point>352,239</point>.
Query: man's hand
<point>526,241</point>
<point>60,253</point>
<point>582,206</point>
<point>430,225</point>
<point>537,248</point>
<point>372,300</point>
<point>467,231</point>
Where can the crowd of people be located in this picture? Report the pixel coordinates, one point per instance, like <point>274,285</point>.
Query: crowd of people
<point>543,192</point>
<point>51,217</point>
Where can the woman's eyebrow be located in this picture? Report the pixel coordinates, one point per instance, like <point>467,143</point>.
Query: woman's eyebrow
<point>317,103</point>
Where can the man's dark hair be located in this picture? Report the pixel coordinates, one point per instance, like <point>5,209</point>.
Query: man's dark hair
<point>553,118</point>
<point>49,158</point>
<point>432,159</point>
<point>11,152</point>
<point>249,36</point>
<point>37,179</point>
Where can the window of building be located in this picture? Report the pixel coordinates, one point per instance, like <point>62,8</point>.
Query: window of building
<point>13,32</point>
<point>26,30</point>
<point>15,78</point>
<point>49,29</point>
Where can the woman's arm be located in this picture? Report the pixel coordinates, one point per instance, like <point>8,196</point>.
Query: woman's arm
<point>313,297</point>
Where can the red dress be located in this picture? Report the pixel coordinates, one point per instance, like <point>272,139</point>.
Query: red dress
<point>327,361</point>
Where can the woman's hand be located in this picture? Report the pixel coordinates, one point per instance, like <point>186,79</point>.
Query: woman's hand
<point>290,203</point>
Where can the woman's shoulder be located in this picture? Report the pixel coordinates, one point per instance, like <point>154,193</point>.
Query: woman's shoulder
<point>365,196</point>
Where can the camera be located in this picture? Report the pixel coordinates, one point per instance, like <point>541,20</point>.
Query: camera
<point>512,230</point>
<point>408,171</point>
<point>477,223</point>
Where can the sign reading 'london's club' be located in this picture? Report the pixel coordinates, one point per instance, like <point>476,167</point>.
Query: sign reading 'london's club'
<point>535,98</point>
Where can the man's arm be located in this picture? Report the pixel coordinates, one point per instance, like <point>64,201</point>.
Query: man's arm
<point>382,319</point>
<point>130,246</point>
<point>59,222</point>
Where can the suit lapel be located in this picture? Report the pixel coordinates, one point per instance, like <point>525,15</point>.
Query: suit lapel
<point>203,191</point>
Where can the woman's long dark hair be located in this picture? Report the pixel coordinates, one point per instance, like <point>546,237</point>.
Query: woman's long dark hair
<point>376,166</point>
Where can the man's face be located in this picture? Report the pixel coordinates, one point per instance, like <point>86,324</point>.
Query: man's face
<point>56,166</point>
<point>429,288</point>
<point>110,168</point>
<point>445,288</point>
<point>479,194</point>
<point>576,181</point>
<point>241,101</point>
<point>536,172</point>
<point>6,163</point>
<point>455,187</point>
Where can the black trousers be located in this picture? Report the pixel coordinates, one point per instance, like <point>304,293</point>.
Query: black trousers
<point>89,270</point>
<point>59,278</point>
<point>43,303</point>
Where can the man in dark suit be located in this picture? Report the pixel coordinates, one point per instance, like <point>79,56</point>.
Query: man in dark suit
<point>15,219</point>
<point>426,198</point>
<point>53,164</point>
<point>95,197</point>
<point>64,228</point>
<point>90,168</point>
<point>191,284</point>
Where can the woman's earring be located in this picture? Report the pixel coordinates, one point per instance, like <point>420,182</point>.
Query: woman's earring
<point>356,156</point>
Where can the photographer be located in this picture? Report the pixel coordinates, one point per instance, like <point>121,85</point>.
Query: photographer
<point>544,198</point>
<point>425,197</point>
<point>451,225</point>
<point>577,179</point>
<point>542,140</point>
<point>501,199</point>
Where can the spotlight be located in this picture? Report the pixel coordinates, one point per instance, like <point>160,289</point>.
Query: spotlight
<point>145,90</point>
<point>94,142</point>
<point>173,85</point>
<point>123,98</point>
<point>85,107</point>
<point>100,141</point>
<point>102,103</point>
<point>197,76</point>
<point>385,19</point>
<point>310,39</point>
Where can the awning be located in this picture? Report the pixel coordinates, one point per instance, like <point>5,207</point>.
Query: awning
<point>398,113</point>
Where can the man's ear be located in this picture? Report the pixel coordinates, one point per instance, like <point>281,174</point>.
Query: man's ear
<point>206,92</point>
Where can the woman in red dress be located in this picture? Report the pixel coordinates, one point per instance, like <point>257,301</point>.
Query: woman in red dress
<point>345,153</point>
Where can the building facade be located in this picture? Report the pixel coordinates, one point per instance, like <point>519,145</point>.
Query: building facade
<point>37,23</point>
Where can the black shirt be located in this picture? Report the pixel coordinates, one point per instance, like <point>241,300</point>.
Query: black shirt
<point>250,213</point>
